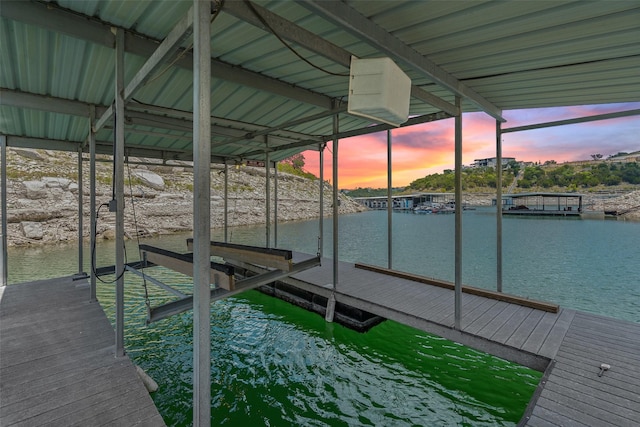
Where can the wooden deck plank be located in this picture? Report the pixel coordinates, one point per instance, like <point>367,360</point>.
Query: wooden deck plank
<point>522,333</point>
<point>63,370</point>
<point>540,333</point>
<point>555,337</point>
<point>576,416</point>
<point>471,316</point>
<point>586,365</point>
<point>486,317</point>
<point>503,333</point>
<point>603,384</point>
<point>546,418</point>
<point>587,407</point>
<point>498,322</point>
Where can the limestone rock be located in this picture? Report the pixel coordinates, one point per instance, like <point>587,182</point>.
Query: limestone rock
<point>55,182</point>
<point>35,190</point>
<point>28,153</point>
<point>33,215</point>
<point>149,179</point>
<point>32,230</point>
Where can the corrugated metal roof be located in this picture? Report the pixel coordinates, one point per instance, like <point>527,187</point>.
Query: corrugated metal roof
<point>514,55</point>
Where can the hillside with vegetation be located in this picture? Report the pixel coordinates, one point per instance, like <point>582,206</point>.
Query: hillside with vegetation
<point>598,179</point>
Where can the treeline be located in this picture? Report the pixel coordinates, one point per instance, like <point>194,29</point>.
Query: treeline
<point>538,176</point>
<point>568,176</point>
<point>471,178</point>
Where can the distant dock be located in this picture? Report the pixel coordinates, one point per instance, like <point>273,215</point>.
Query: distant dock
<point>542,204</point>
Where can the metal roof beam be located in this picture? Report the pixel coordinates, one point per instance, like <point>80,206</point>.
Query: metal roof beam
<point>32,101</point>
<point>53,18</point>
<point>606,116</point>
<point>247,128</point>
<point>314,43</point>
<point>313,143</point>
<point>106,147</point>
<point>354,22</point>
<point>169,45</point>
<point>183,123</point>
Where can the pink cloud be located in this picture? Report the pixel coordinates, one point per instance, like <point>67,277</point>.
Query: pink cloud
<point>429,148</point>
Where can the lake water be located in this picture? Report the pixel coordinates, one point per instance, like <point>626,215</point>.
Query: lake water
<point>276,364</point>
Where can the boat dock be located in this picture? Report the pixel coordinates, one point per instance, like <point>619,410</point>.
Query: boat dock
<point>57,364</point>
<point>569,346</point>
<point>542,204</point>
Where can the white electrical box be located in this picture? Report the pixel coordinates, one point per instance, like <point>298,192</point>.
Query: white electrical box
<point>379,90</point>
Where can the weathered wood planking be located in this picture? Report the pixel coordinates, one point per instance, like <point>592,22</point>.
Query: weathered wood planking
<point>57,361</point>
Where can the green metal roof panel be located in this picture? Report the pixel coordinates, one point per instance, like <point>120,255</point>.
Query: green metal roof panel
<point>514,54</point>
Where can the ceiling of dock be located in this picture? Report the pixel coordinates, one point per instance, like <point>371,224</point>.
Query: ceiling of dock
<point>57,60</point>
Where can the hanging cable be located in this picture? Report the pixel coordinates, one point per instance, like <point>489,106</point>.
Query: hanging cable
<point>143,263</point>
<point>93,251</point>
<point>287,45</point>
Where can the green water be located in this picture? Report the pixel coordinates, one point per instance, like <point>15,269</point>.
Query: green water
<point>275,364</point>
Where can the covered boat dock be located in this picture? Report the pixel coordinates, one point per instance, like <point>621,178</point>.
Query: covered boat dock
<point>542,204</point>
<point>232,82</point>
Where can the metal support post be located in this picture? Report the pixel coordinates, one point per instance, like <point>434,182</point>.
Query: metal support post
<point>389,204</point>
<point>331,303</point>
<point>118,180</point>
<point>267,184</point>
<point>275,204</point>
<point>92,201</point>
<point>4,268</point>
<point>201,213</point>
<point>499,206</point>
<point>226,202</point>
<point>458,218</point>
<point>80,213</point>
<point>321,201</point>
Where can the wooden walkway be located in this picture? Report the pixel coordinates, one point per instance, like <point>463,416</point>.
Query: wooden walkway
<point>568,346</point>
<point>57,364</point>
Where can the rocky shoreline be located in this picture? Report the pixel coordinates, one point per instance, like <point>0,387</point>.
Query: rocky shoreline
<point>42,198</point>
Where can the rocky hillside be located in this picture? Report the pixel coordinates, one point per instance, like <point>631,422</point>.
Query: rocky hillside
<point>43,197</point>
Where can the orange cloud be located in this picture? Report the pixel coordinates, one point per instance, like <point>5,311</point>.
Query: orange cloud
<point>428,148</point>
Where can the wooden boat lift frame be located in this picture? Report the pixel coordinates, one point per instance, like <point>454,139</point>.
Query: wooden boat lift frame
<point>223,275</point>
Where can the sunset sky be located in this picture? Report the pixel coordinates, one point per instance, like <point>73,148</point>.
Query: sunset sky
<point>424,149</point>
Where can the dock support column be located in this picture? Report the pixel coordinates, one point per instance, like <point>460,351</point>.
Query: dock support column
<point>267,184</point>
<point>331,303</point>
<point>80,213</point>
<point>389,205</point>
<point>499,206</point>
<point>201,213</point>
<point>458,218</point>
<point>321,201</point>
<point>4,269</point>
<point>226,202</point>
<point>92,201</point>
<point>275,204</point>
<point>119,190</point>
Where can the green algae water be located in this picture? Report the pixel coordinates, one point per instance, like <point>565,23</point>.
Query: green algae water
<point>278,365</point>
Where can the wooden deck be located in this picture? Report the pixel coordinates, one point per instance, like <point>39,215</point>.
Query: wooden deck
<point>57,364</point>
<point>569,346</point>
